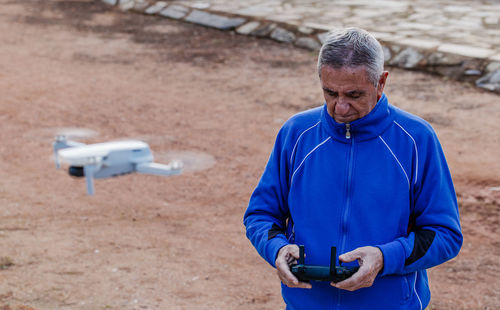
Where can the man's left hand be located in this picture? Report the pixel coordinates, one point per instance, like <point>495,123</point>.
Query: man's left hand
<point>371,261</point>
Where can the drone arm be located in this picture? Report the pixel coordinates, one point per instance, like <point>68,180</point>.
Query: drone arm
<point>62,143</point>
<point>172,168</point>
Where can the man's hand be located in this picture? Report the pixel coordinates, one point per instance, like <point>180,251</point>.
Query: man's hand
<point>371,261</point>
<point>288,255</point>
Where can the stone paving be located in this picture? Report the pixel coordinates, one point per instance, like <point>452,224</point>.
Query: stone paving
<point>455,38</point>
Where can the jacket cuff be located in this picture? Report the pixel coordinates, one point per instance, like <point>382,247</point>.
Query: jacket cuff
<point>273,247</point>
<point>394,257</point>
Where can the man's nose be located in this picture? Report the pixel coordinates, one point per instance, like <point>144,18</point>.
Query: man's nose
<point>342,107</point>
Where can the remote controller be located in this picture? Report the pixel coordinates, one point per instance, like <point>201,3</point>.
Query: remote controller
<point>330,273</point>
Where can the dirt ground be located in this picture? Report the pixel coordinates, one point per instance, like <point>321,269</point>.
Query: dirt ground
<point>216,100</point>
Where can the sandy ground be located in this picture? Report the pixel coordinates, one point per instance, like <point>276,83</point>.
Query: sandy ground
<point>216,100</point>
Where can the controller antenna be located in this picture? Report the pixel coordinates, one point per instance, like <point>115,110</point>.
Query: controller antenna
<point>333,259</point>
<point>301,255</point>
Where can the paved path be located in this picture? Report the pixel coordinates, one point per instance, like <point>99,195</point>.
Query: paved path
<point>471,23</point>
<point>455,38</point>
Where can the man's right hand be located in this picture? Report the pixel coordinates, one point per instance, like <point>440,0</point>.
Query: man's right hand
<point>287,256</point>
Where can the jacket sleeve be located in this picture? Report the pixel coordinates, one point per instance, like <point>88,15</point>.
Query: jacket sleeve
<point>267,212</point>
<point>436,234</point>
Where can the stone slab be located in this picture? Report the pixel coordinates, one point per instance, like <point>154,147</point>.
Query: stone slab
<point>201,5</point>
<point>382,35</point>
<point>420,43</point>
<point>394,38</point>
<point>408,58</point>
<point>174,11</point>
<point>490,82</point>
<point>248,28</point>
<point>140,5</point>
<point>466,50</point>
<point>418,26</point>
<point>495,57</point>
<point>318,26</point>
<point>322,37</point>
<point>308,43</point>
<point>126,5</point>
<point>305,30</point>
<point>283,35</point>
<point>493,66</point>
<point>214,21</point>
<point>445,59</point>
<point>387,53</point>
<point>264,30</point>
<point>492,20</point>
<point>156,8</point>
<point>110,2</point>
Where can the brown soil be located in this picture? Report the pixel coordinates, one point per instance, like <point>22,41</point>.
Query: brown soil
<point>217,99</point>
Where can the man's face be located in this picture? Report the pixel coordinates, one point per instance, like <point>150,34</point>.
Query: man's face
<point>348,92</point>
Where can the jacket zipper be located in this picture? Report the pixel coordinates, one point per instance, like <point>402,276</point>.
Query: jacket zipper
<point>348,136</point>
<point>348,131</point>
<point>348,190</point>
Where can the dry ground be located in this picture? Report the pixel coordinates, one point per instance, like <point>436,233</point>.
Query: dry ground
<point>145,242</point>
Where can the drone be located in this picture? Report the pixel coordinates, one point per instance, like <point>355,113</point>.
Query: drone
<point>109,159</point>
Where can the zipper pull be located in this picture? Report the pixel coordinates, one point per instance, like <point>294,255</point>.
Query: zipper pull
<point>348,131</point>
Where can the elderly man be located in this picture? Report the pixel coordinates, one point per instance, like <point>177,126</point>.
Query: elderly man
<point>362,175</point>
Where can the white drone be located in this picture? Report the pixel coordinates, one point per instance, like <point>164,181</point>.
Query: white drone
<point>109,159</point>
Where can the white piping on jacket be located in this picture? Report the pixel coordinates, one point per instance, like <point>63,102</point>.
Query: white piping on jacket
<point>406,175</point>
<point>415,289</point>
<point>416,151</point>
<point>298,139</point>
<point>291,180</point>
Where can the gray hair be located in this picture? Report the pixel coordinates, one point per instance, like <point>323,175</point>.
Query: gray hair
<point>352,47</point>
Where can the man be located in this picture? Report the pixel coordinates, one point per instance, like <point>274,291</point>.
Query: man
<point>361,175</point>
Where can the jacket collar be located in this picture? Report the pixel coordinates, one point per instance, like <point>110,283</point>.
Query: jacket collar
<point>368,127</point>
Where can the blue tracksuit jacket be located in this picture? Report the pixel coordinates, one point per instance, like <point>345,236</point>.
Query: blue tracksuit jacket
<point>381,182</point>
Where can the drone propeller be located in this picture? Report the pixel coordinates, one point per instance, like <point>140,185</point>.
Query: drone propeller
<point>76,133</point>
<point>62,143</point>
<point>173,168</point>
<point>58,144</point>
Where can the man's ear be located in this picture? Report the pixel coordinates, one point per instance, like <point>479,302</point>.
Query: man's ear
<point>381,84</point>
